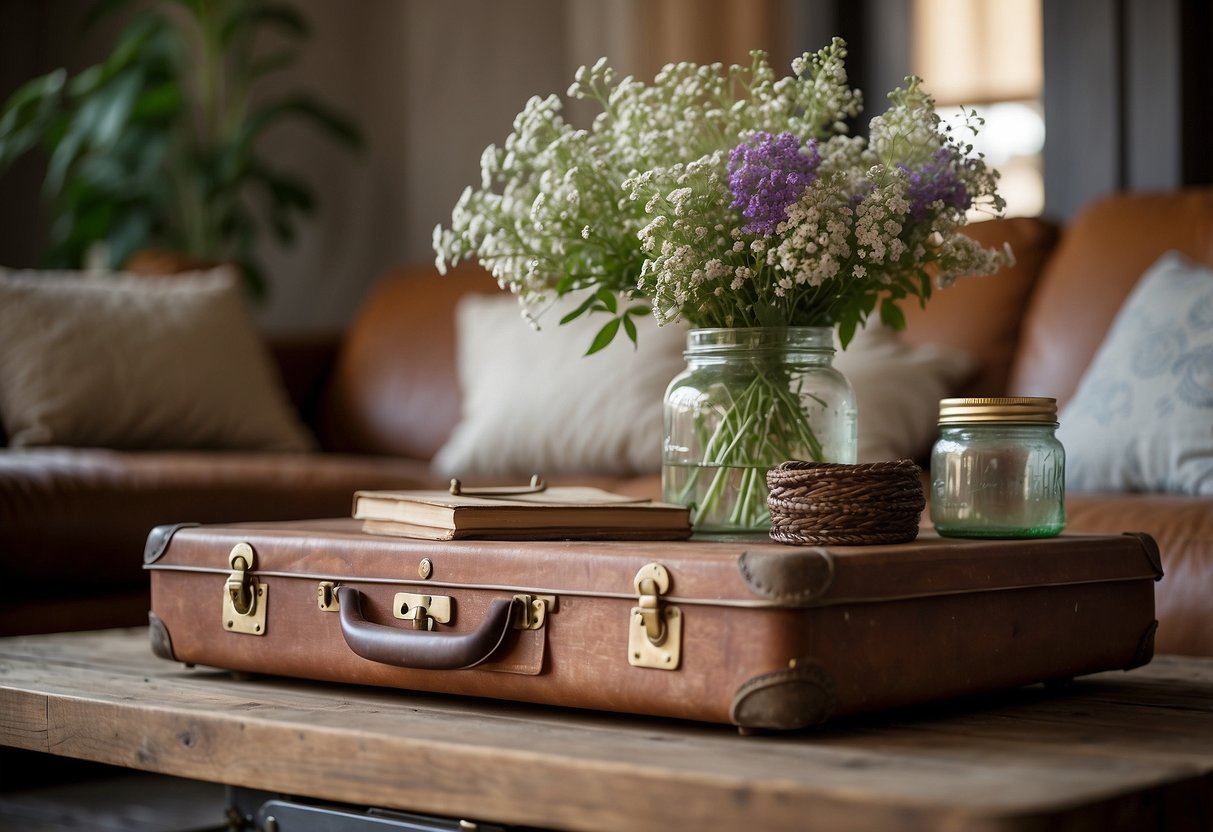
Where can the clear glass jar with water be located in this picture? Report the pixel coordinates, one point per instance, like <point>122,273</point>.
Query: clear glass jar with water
<point>750,399</point>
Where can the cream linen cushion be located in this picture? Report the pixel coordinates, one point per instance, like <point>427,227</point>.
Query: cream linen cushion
<point>121,361</point>
<point>1142,417</point>
<point>897,391</point>
<point>533,404</point>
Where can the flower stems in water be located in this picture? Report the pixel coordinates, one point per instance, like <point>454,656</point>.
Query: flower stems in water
<point>759,427</point>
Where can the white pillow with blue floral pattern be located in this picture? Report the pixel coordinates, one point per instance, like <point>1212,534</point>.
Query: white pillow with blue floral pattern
<point>1142,418</point>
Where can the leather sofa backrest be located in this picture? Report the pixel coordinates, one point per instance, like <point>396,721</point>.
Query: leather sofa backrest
<point>983,315</point>
<point>393,390</point>
<point>1102,254</point>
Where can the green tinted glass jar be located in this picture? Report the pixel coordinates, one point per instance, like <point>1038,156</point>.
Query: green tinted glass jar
<point>997,469</point>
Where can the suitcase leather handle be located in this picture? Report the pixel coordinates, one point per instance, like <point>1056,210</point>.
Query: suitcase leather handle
<point>422,649</point>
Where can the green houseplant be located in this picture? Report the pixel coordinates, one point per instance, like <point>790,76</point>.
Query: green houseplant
<point>157,145</point>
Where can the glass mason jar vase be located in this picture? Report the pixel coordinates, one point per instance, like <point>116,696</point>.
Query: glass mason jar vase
<point>750,399</point>
<point>997,469</point>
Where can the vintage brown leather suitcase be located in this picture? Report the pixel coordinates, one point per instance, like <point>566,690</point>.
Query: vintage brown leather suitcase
<point>753,633</point>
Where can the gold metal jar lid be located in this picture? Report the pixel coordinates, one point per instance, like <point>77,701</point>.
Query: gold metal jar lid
<point>1010,409</point>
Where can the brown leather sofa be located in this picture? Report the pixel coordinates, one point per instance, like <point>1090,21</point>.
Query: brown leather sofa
<point>382,399</point>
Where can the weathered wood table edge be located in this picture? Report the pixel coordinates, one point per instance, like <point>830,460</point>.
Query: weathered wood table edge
<point>1114,751</point>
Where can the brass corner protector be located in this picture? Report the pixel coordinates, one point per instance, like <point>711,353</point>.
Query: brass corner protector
<point>158,540</point>
<point>790,576</point>
<point>162,644</point>
<point>799,696</point>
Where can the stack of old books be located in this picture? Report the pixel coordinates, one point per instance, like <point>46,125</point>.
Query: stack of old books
<point>534,513</point>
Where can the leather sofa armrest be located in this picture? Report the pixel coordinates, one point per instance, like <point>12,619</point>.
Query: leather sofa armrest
<point>1183,528</point>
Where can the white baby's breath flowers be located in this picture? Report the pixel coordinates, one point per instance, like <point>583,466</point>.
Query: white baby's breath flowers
<point>641,207</point>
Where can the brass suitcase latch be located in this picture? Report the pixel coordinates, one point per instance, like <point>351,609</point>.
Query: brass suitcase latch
<point>423,610</point>
<point>244,597</point>
<point>655,629</point>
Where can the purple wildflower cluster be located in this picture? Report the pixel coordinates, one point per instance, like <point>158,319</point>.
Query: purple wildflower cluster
<point>767,174</point>
<point>936,180</point>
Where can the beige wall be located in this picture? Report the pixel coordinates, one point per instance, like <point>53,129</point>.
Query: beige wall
<point>433,83</point>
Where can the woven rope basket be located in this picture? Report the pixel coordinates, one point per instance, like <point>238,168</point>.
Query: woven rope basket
<point>831,504</point>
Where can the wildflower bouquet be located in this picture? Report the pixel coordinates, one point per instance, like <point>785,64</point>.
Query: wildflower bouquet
<point>728,198</point>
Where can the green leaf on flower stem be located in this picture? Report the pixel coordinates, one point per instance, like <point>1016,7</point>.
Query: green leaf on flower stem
<point>564,285</point>
<point>891,315</point>
<point>846,330</point>
<point>605,336</point>
<point>629,327</point>
<point>608,299</point>
<point>579,311</point>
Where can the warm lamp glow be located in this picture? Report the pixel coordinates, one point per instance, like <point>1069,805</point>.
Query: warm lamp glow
<point>988,54</point>
<point>976,51</point>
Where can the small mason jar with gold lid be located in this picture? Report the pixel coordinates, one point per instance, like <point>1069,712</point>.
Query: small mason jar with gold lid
<point>997,469</point>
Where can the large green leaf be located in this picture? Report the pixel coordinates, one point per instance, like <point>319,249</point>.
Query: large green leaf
<point>246,18</point>
<point>131,48</point>
<point>160,102</point>
<point>127,234</point>
<point>271,63</point>
<point>27,114</point>
<point>29,99</point>
<point>97,124</point>
<point>103,9</point>
<point>285,192</point>
<point>109,112</point>
<point>299,106</point>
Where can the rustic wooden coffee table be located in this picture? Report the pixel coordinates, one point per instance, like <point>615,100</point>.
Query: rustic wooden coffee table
<point>1114,751</point>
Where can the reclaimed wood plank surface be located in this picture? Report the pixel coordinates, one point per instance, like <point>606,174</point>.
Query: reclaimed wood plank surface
<point>1112,751</point>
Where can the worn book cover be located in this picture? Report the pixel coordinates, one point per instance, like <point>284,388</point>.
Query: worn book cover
<point>552,513</point>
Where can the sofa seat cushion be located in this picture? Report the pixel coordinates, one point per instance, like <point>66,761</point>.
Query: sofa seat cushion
<point>73,518</point>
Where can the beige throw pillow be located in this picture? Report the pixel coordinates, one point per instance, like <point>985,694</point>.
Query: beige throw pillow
<point>533,404</point>
<point>897,391</point>
<point>121,361</point>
